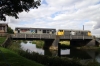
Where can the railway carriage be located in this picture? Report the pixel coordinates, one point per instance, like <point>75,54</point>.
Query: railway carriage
<point>74,32</point>
<point>35,30</point>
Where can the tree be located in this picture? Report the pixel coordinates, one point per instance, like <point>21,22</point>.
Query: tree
<point>14,7</point>
<point>9,30</point>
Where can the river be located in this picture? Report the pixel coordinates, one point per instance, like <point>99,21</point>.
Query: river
<point>84,55</point>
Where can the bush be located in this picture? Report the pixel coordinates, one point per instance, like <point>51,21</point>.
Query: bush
<point>49,61</point>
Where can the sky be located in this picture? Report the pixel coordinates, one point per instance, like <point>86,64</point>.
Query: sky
<point>61,14</point>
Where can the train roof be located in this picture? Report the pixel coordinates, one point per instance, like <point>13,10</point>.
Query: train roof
<point>34,28</point>
<point>72,30</point>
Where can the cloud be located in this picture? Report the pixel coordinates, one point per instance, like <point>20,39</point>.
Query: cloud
<point>61,14</point>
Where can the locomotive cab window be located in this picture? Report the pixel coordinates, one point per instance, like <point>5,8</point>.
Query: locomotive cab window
<point>61,30</point>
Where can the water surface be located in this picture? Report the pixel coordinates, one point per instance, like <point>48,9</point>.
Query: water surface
<point>84,55</point>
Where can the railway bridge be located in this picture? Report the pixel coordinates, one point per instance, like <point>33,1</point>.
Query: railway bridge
<point>53,40</point>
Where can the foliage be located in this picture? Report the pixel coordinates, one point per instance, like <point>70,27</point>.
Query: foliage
<point>9,30</point>
<point>15,46</point>
<point>39,43</point>
<point>65,43</point>
<point>50,61</point>
<point>93,64</point>
<point>24,41</point>
<point>10,58</point>
<point>45,60</point>
<point>14,7</point>
<point>2,39</point>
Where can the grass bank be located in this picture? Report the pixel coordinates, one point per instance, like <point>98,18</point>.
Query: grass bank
<point>2,39</point>
<point>10,58</point>
<point>15,46</point>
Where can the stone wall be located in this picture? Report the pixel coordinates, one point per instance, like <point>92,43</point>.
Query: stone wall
<point>7,41</point>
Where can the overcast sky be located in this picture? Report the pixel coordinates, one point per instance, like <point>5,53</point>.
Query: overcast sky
<point>63,14</point>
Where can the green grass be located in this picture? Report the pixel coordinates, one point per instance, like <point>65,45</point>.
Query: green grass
<point>15,46</point>
<point>39,43</point>
<point>10,58</point>
<point>2,39</point>
<point>65,43</point>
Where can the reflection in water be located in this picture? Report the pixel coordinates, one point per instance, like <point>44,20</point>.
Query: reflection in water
<point>50,53</point>
<point>31,47</point>
<point>85,55</point>
<point>98,58</point>
<point>65,52</point>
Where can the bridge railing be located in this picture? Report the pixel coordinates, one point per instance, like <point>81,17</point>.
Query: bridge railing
<point>43,36</point>
<point>49,36</point>
<point>76,37</point>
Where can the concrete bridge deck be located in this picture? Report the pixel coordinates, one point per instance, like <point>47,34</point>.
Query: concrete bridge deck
<point>53,40</point>
<point>49,36</point>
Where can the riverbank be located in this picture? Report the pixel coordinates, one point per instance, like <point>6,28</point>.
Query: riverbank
<point>10,58</point>
<point>39,43</point>
<point>42,59</point>
<point>45,60</point>
<point>88,48</point>
<point>2,39</point>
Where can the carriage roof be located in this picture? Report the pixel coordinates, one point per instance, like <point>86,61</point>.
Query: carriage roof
<point>35,28</point>
<point>74,30</point>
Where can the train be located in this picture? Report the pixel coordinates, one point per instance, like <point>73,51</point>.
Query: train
<point>52,31</point>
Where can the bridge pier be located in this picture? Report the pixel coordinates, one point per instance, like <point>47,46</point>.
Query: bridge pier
<point>48,43</point>
<point>87,42</point>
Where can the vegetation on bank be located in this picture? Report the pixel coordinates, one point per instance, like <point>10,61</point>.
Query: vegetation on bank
<point>67,43</point>
<point>9,30</point>
<point>64,44</point>
<point>89,47</point>
<point>39,43</point>
<point>2,39</point>
<point>42,59</point>
<point>47,60</point>
<point>15,46</point>
<point>10,58</point>
<point>50,61</point>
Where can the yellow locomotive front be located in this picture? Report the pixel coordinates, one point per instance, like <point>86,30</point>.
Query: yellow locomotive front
<point>60,32</point>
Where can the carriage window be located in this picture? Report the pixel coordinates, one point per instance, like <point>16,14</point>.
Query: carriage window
<point>47,31</point>
<point>81,32</point>
<point>61,30</point>
<point>35,31</point>
<point>0,28</point>
<point>52,32</point>
<point>44,31</point>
